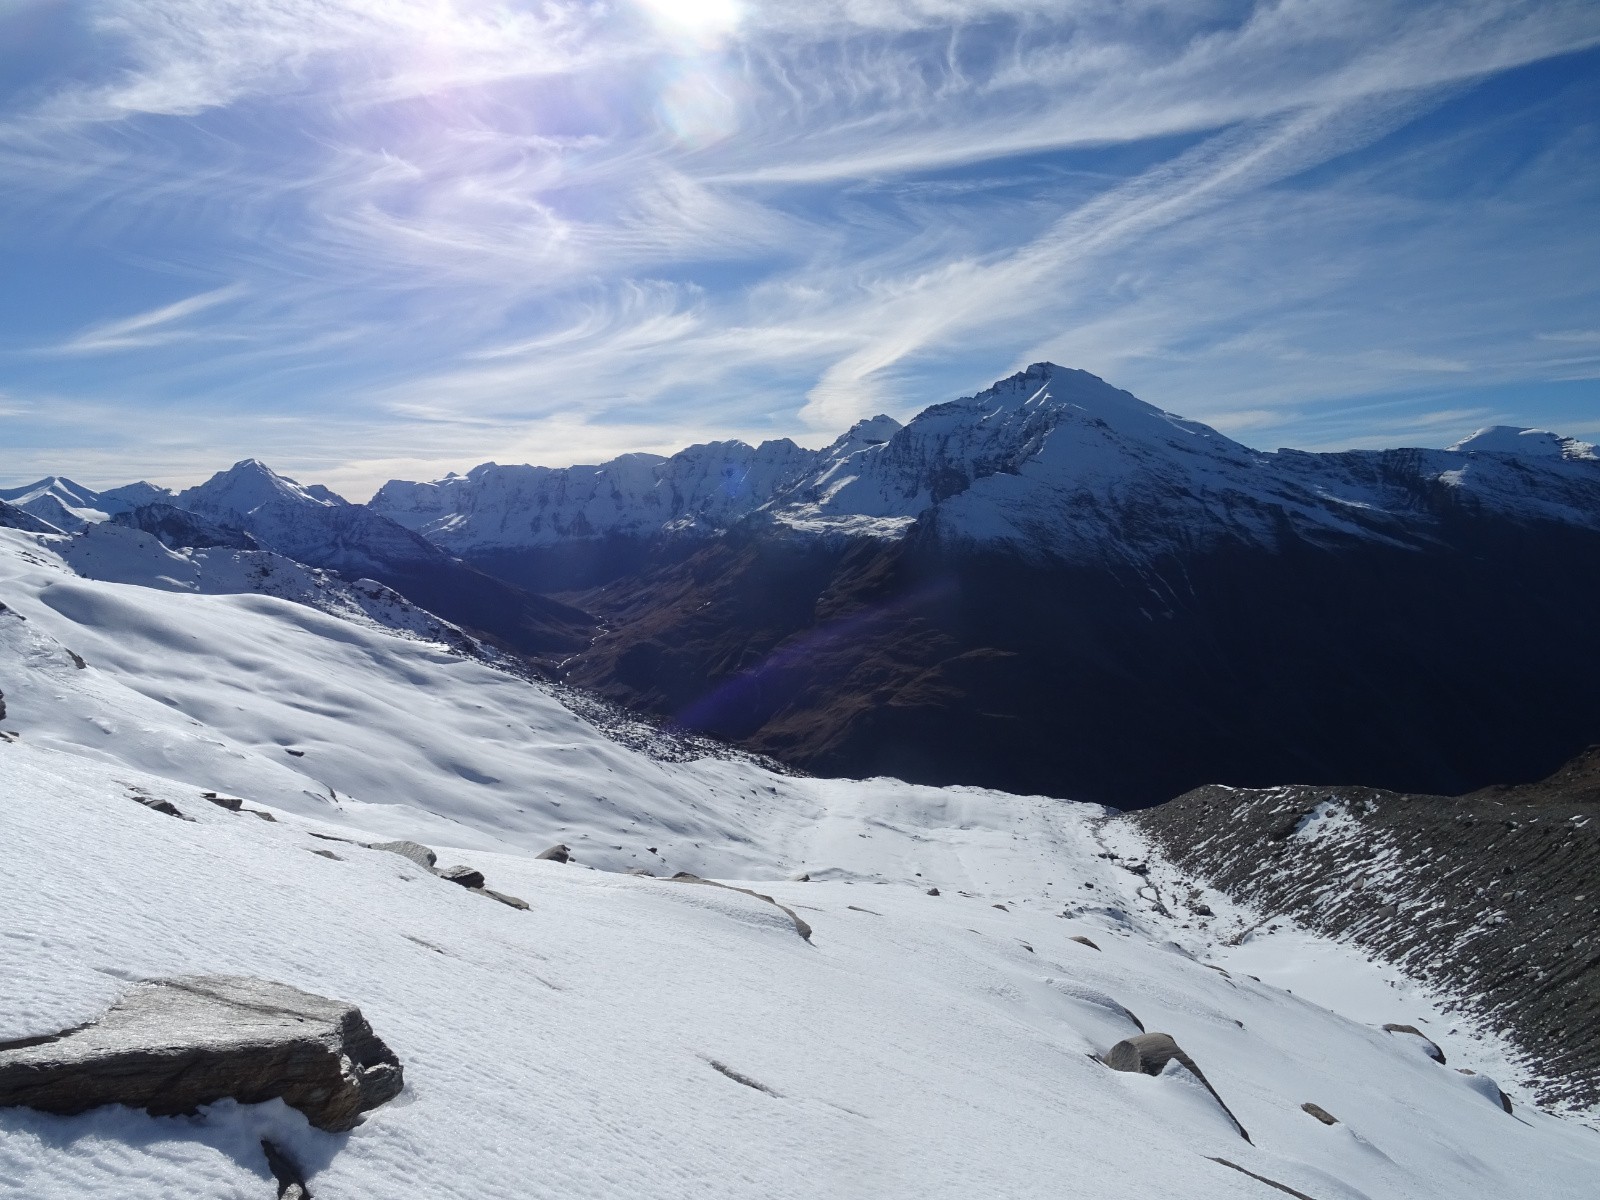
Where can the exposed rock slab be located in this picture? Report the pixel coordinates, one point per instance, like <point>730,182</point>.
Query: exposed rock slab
<point>170,1047</point>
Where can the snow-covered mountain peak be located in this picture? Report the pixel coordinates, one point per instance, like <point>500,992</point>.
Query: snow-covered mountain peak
<point>248,486</point>
<point>1528,443</point>
<point>870,431</point>
<point>57,501</point>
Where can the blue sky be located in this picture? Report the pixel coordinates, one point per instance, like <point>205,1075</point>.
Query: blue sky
<point>390,238</point>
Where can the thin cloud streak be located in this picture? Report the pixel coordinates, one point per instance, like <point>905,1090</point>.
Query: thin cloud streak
<point>448,218</point>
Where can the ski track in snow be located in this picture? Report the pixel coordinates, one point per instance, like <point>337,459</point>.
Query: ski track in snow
<point>630,1036</point>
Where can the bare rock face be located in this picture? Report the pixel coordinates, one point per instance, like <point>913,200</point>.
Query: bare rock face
<point>170,1047</point>
<point>1150,1053</point>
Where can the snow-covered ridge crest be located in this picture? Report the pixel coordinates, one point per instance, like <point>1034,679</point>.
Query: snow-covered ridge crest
<point>1050,460</point>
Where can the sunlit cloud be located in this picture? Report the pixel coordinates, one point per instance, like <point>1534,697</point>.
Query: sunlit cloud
<point>446,220</point>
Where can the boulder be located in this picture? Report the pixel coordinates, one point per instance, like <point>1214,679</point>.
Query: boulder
<point>171,1046</point>
<point>1082,941</point>
<point>556,854</point>
<point>231,803</point>
<point>415,851</point>
<point>467,877</point>
<point>1320,1113</point>
<point>511,901</point>
<point>1150,1053</point>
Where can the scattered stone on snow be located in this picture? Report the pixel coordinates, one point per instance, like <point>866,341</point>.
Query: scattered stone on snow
<point>173,1045</point>
<point>166,807</point>
<point>231,803</point>
<point>415,851</point>
<point>467,877</point>
<point>256,812</point>
<point>512,901</point>
<point>1082,941</point>
<point>557,853</point>
<point>327,854</point>
<point>933,891</point>
<point>1150,1053</point>
<point>1320,1113</point>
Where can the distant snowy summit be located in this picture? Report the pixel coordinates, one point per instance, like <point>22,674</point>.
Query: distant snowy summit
<point>1050,460</point>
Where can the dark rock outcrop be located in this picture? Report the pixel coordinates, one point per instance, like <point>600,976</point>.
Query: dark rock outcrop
<point>177,528</point>
<point>174,1045</point>
<point>1150,1053</point>
<point>942,664</point>
<point>1493,896</point>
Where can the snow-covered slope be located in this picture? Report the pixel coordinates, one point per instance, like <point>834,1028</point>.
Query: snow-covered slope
<point>631,1036</point>
<point>1051,460</point>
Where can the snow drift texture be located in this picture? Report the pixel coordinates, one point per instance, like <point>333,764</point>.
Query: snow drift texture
<point>631,1036</point>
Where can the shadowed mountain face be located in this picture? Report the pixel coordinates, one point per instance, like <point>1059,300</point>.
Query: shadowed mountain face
<point>1438,670</point>
<point>1054,587</point>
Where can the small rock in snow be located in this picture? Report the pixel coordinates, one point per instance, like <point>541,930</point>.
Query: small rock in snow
<point>467,877</point>
<point>1320,1113</point>
<point>415,851</point>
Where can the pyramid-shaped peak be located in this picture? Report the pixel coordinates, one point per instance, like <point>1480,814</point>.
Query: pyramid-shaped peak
<point>247,486</point>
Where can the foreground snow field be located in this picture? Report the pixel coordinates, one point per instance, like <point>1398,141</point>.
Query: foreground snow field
<point>632,1036</point>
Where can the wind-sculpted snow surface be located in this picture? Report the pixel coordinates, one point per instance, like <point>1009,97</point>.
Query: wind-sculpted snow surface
<point>627,1036</point>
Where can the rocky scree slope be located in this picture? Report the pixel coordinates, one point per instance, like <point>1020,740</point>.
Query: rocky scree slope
<point>1495,895</point>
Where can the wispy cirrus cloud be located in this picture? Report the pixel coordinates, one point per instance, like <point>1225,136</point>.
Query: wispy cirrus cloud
<point>443,218</point>
<point>154,327</point>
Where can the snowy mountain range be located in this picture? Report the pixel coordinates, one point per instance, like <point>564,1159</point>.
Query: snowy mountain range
<point>1048,587</point>
<point>205,783</point>
<point>1050,461</point>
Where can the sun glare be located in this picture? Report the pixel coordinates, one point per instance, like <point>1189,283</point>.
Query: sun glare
<point>702,20</point>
